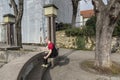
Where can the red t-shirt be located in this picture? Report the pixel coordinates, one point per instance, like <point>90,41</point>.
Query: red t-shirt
<point>50,46</point>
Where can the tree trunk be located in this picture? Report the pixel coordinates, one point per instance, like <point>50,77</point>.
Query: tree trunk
<point>18,12</point>
<point>74,17</point>
<point>18,34</point>
<point>75,6</point>
<point>107,17</point>
<point>103,40</point>
<point>103,49</point>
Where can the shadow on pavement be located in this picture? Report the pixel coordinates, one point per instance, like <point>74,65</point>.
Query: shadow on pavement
<point>46,75</point>
<point>63,59</point>
<point>36,73</point>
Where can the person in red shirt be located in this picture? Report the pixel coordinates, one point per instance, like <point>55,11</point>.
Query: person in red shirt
<point>51,52</point>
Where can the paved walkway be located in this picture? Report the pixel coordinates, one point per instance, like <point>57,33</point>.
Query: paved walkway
<point>68,67</point>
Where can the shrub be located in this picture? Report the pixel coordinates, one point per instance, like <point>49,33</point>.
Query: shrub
<point>91,21</point>
<point>80,42</point>
<point>89,31</point>
<point>90,28</point>
<point>116,31</point>
<point>74,32</point>
<point>67,26</point>
<point>62,26</point>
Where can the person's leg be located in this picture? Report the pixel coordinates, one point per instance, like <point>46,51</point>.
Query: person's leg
<point>51,61</point>
<point>45,61</point>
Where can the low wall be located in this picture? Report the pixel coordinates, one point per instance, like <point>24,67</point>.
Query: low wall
<point>70,42</point>
<point>9,55</point>
<point>19,68</point>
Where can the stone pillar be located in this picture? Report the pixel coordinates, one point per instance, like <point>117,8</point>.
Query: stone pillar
<point>10,34</point>
<point>49,28</point>
<point>53,29</point>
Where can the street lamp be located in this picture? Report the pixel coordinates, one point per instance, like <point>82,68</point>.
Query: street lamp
<point>9,20</point>
<point>50,11</point>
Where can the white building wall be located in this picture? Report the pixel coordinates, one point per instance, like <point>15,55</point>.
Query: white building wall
<point>2,33</point>
<point>78,16</point>
<point>83,21</point>
<point>34,23</point>
<point>64,10</point>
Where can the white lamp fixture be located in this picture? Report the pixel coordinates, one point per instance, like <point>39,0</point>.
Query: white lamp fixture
<point>50,10</point>
<point>9,18</point>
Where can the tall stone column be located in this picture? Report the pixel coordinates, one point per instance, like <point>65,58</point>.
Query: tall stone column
<point>49,28</point>
<point>51,13</point>
<point>10,34</point>
<point>53,29</point>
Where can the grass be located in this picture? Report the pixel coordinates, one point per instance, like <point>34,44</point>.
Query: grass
<point>88,65</point>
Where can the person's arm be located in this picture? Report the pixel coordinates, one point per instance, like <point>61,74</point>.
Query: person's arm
<point>50,51</point>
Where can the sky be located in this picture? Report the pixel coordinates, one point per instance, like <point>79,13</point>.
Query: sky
<point>85,5</point>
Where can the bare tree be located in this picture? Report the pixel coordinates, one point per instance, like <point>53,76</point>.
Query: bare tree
<point>18,12</point>
<point>107,17</point>
<point>75,7</point>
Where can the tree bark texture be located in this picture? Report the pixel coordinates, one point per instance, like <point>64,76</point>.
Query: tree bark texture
<point>107,16</point>
<point>18,12</point>
<point>75,6</point>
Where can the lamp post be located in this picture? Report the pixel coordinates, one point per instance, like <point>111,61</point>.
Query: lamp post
<point>9,20</point>
<point>50,11</point>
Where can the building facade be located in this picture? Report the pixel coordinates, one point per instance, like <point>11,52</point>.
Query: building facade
<point>85,15</point>
<point>34,23</point>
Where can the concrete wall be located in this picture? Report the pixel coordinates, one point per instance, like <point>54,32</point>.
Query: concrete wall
<point>3,33</point>
<point>19,68</point>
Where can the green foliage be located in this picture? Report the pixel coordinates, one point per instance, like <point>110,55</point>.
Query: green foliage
<point>63,26</point>
<point>80,42</point>
<point>66,26</point>
<point>89,31</point>
<point>117,29</point>
<point>90,28</point>
<point>74,32</point>
<point>91,22</point>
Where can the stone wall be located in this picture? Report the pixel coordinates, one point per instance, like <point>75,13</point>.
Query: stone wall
<point>63,41</point>
<point>70,42</point>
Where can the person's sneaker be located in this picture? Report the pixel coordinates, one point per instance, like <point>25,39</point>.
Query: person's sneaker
<point>44,65</point>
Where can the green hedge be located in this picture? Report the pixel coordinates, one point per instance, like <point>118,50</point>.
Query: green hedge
<point>80,42</point>
<point>74,32</point>
<point>62,26</point>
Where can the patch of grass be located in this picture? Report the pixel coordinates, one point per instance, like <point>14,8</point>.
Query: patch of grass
<point>88,65</point>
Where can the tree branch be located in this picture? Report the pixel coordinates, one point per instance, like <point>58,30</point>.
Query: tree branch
<point>14,5</point>
<point>18,10</point>
<point>97,5</point>
<point>111,4</point>
<point>20,13</point>
<point>114,13</point>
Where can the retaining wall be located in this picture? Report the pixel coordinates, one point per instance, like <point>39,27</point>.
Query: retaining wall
<point>19,68</point>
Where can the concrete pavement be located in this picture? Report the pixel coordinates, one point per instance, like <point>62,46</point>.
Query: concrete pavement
<point>68,67</point>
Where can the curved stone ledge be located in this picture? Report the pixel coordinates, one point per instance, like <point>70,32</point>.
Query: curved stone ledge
<point>19,68</point>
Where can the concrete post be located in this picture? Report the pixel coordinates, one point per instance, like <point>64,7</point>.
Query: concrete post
<point>49,28</point>
<point>53,30</point>
<point>10,34</point>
